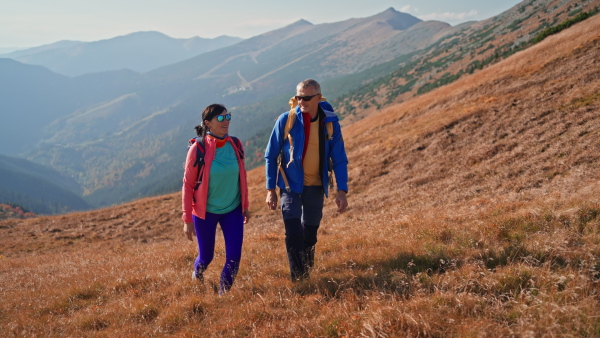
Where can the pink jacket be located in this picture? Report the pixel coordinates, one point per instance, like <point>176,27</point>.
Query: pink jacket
<point>188,195</point>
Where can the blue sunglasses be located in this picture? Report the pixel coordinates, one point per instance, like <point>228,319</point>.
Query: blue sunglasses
<point>221,118</point>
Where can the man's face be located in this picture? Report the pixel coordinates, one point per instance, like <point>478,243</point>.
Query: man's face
<point>308,106</point>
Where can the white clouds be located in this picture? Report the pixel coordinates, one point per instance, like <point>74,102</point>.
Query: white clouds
<point>451,17</point>
<point>409,9</point>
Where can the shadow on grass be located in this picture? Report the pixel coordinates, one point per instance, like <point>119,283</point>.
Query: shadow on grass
<point>395,276</point>
<point>404,273</point>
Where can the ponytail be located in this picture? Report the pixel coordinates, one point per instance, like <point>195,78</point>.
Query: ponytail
<point>200,130</point>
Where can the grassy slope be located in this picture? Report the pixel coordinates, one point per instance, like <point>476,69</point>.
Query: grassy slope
<point>475,211</point>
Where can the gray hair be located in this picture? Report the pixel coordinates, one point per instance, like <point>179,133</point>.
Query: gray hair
<point>310,83</point>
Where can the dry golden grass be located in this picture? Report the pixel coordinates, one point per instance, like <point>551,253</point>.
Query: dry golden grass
<point>475,212</point>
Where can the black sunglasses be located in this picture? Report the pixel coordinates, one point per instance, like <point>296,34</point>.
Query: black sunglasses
<point>305,98</point>
<point>221,118</point>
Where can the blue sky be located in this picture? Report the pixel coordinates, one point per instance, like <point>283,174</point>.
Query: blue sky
<point>28,23</point>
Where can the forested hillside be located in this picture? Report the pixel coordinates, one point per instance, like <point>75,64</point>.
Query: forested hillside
<point>463,50</point>
<point>38,188</point>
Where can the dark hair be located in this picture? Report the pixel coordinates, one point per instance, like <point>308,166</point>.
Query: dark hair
<point>207,115</point>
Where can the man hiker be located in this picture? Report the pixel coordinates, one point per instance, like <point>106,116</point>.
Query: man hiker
<point>305,147</point>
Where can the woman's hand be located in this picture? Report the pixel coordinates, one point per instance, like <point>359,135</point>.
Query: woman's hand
<point>188,229</point>
<point>246,216</point>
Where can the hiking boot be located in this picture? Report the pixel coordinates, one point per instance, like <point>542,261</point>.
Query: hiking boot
<point>197,276</point>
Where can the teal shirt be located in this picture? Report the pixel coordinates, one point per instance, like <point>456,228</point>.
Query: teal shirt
<point>224,184</point>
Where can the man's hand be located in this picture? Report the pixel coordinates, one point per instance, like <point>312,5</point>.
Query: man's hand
<point>188,229</point>
<point>341,201</point>
<point>271,199</point>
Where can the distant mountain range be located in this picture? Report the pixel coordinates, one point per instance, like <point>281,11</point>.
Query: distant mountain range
<point>21,52</point>
<point>39,188</point>
<point>140,52</point>
<point>123,135</point>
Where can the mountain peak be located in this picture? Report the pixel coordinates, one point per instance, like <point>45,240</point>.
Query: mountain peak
<point>142,35</point>
<point>398,20</point>
<point>300,23</point>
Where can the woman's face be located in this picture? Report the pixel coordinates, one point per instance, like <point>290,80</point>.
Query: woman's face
<point>219,128</point>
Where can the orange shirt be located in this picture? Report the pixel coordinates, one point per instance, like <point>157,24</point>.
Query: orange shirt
<point>312,176</point>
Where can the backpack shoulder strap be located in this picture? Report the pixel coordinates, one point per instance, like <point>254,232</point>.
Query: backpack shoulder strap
<point>198,142</point>
<point>329,127</point>
<point>291,118</point>
<point>238,146</point>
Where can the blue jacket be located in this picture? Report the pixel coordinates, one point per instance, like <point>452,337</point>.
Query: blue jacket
<point>333,149</point>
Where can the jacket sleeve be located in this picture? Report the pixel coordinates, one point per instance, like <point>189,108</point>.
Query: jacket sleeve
<point>339,158</point>
<point>190,175</point>
<point>273,150</point>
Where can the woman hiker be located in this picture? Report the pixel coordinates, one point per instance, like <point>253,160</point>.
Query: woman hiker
<point>215,191</point>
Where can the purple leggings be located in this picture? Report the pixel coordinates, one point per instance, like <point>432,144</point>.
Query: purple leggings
<point>232,225</point>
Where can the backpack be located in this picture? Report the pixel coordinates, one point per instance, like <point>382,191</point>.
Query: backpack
<point>200,150</point>
<point>286,135</point>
